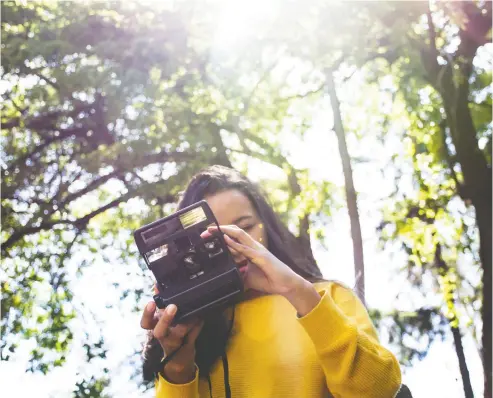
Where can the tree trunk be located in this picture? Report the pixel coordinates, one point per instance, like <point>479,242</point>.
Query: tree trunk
<point>476,188</point>
<point>303,239</point>
<point>477,184</point>
<point>450,294</point>
<point>351,196</point>
<point>483,219</point>
<point>464,371</point>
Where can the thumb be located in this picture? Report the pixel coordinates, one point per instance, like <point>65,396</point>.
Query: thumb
<point>148,320</point>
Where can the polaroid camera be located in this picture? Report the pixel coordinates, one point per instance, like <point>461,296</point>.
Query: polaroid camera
<point>195,274</point>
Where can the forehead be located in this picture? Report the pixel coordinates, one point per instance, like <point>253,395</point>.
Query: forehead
<point>230,205</point>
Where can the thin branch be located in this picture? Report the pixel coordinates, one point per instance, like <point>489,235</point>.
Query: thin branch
<point>262,79</point>
<point>80,224</point>
<point>449,159</point>
<point>47,80</point>
<point>256,155</point>
<point>56,283</point>
<point>304,95</point>
<point>88,188</point>
<point>451,292</point>
<point>432,35</point>
<point>19,234</point>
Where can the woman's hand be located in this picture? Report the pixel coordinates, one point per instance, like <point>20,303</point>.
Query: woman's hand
<point>180,369</point>
<point>267,273</point>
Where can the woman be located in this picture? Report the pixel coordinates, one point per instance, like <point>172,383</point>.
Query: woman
<point>294,334</point>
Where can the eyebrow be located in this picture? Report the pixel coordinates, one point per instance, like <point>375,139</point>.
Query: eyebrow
<point>242,218</point>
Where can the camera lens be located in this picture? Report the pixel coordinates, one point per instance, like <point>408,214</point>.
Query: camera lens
<point>189,259</point>
<point>191,263</point>
<point>213,248</point>
<point>210,245</point>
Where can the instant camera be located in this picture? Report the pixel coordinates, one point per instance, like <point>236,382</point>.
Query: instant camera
<point>194,273</point>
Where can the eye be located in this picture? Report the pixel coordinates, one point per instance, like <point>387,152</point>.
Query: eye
<point>248,227</point>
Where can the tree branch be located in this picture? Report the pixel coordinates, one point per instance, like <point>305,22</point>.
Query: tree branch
<point>477,26</point>
<point>262,78</point>
<point>449,160</point>
<point>304,95</point>
<point>450,299</point>
<point>88,188</point>
<point>80,223</point>
<point>351,195</point>
<point>48,81</point>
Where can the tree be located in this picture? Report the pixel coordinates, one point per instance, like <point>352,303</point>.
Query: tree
<point>462,122</point>
<point>90,133</point>
<point>108,110</point>
<point>351,198</point>
<point>446,94</point>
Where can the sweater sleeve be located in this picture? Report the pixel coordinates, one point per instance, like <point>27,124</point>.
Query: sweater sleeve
<point>355,364</point>
<point>165,389</point>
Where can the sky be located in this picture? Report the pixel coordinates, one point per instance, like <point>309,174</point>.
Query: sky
<point>436,376</point>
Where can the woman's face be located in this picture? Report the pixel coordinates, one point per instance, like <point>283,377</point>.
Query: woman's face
<point>232,207</point>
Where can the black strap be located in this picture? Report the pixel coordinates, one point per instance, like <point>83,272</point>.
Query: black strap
<point>167,358</point>
<point>226,376</point>
<point>210,385</point>
<point>227,387</point>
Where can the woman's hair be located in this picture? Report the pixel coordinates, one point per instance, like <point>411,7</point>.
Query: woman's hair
<point>212,341</point>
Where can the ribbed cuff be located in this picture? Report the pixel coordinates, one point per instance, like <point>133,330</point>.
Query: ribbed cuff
<point>326,322</point>
<point>165,388</point>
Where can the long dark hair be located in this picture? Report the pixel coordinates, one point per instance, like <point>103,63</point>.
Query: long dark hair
<point>212,341</point>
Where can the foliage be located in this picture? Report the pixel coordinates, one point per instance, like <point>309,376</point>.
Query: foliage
<point>445,82</point>
<point>108,107</point>
<point>99,133</point>
<point>411,333</point>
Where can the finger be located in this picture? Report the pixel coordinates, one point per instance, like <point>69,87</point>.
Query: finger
<point>235,253</point>
<point>148,320</point>
<point>171,341</point>
<point>248,252</point>
<point>156,290</point>
<point>194,332</point>
<point>161,329</point>
<point>237,233</point>
<point>237,257</point>
<point>182,329</point>
<point>179,332</point>
<point>205,234</point>
<point>240,260</point>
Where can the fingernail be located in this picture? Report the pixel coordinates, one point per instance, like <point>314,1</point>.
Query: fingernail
<point>151,306</point>
<point>171,309</point>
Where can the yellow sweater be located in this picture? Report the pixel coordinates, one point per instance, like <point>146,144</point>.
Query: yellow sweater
<point>272,353</point>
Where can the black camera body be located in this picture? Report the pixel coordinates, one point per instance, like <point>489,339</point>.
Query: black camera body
<point>194,273</point>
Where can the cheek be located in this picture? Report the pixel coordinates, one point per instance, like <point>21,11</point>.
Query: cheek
<point>259,235</point>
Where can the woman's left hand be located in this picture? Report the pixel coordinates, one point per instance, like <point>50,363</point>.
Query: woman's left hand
<point>265,272</point>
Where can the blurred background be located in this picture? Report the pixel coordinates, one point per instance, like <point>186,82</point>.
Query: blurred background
<point>368,124</point>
